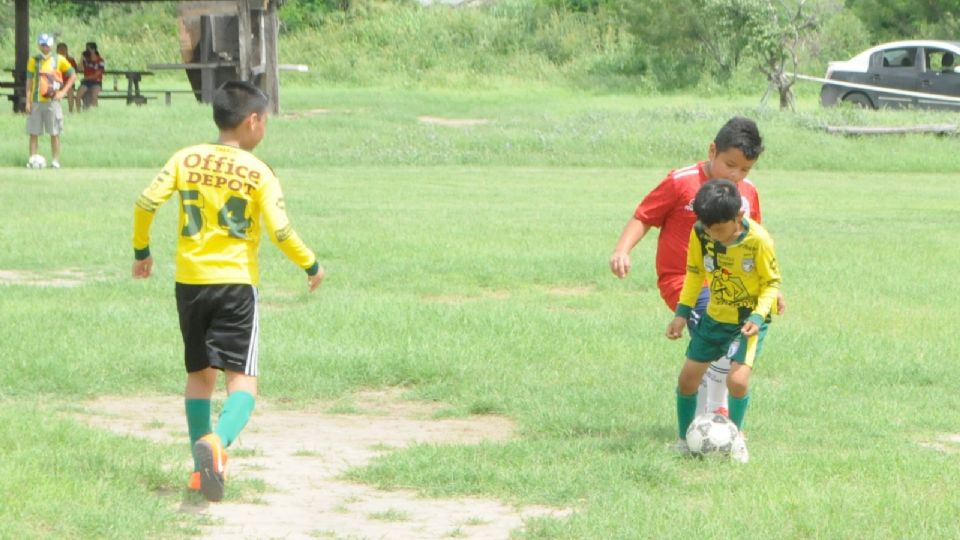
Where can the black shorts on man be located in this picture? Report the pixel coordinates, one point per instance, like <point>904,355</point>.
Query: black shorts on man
<point>220,327</point>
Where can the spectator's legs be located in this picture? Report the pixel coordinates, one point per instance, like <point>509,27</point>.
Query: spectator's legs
<point>55,147</point>
<point>33,145</point>
<point>94,92</point>
<point>82,98</point>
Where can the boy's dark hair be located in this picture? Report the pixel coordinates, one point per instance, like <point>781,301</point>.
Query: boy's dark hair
<point>741,133</point>
<point>236,100</point>
<point>717,201</point>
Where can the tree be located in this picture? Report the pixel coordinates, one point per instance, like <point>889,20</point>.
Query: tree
<point>777,31</point>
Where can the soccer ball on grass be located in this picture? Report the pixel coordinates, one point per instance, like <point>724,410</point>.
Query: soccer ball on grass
<point>711,433</point>
<point>36,161</point>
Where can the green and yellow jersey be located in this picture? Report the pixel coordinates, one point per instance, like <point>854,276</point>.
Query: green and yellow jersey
<point>50,64</point>
<point>227,195</point>
<point>743,278</point>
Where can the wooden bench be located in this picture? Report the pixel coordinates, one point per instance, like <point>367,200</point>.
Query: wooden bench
<point>138,99</point>
<point>167,94</point>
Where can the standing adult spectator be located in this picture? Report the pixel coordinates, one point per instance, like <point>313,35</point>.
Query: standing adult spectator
<point>72,96</point>
<point>93,65</point>
<point>48,76</point>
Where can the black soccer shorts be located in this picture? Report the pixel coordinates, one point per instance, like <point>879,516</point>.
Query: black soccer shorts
<point>220,327</point>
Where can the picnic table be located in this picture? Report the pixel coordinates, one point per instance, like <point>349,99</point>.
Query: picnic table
<point>133,77</point>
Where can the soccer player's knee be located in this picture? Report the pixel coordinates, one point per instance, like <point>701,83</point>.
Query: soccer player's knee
<point>738,385</point>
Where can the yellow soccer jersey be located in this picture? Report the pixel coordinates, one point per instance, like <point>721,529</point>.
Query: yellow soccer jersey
<point>743,278</point>
<point>54,62</point>
<point>227,195</point>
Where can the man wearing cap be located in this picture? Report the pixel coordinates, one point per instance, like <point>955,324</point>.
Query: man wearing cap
<point>49,76</point>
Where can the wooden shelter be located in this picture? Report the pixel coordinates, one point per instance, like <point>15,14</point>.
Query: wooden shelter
<point>220,40</point>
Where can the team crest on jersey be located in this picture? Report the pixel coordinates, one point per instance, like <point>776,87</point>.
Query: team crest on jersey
<point>748,265</point>
<point>708,264</point>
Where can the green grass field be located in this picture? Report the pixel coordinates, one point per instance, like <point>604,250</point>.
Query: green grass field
<point>469,266</point>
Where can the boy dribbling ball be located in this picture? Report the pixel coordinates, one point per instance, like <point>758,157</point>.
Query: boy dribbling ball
<point>735,255</point>
<point>669,206</point>
<point>227,195</point>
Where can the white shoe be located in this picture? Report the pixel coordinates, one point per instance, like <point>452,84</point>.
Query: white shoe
<point>739,451</point>
<point>681,447</point>
<point>54,164</point>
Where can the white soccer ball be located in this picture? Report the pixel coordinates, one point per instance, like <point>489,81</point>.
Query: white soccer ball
<point>36,161</point>
<point>711,433</point>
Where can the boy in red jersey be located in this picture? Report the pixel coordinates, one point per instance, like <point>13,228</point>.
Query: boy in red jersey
<point>227,195</point>
<point>669,206</point>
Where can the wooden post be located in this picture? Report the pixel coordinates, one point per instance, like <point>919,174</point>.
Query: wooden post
<point>271,73</point>
<point>244,34</point>
<point>22,53</point>
<point>207,78</point>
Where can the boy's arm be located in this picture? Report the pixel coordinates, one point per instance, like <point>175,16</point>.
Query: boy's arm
<point>769,272</point>
<point>282,234</point>
<point>651,212</point>
<point>692,285</point>
<point>144,210</point>
<point>632,233</point>
<point>64,67</point>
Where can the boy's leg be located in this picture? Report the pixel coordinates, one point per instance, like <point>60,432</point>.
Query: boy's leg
<point>34,144</point>
<point>210,451</point>
<point>200,385</point>
<point>739,384</point>
<point>703,392</point>
<point>241,398</point>
<point>690,376</point>
<point>55,148</point>
<point>716,386</point>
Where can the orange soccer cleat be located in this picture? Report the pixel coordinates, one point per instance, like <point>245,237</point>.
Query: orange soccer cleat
<point>212,457</point>
<point>194,483</point>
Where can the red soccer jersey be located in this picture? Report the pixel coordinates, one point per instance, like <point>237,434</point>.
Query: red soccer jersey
<point>670,207</point>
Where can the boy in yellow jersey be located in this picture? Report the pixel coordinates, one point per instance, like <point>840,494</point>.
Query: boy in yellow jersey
<point>735,255</point>
<point>227,196</point>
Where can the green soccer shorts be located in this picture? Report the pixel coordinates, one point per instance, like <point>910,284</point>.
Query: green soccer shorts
<point>711,339</point>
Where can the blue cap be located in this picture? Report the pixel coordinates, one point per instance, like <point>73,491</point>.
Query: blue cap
<point>45,39</point>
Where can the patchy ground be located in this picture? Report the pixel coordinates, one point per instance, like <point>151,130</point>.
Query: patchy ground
<point>300,455</point>
<point>453,122</point>
<point>66,278</point>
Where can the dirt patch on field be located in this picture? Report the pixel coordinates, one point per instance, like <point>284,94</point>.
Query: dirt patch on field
<point>572,291</point>
<point>303,114</point>
<point>948,443</point>
<point>66,278</point>
<point>453,122</point>
<point>302,454</point>
<point>462,298</point>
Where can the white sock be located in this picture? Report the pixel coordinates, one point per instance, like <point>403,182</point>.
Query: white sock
<point>702,396</point>
<point>716,383</point>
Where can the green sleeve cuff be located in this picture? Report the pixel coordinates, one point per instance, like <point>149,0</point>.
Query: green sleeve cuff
<point>312,271</point>
<point>684,311</point>
<point>141,254</point>
<point>756,319</point>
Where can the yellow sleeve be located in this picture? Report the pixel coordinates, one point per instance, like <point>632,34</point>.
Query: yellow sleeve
<point>769,272</point>
<point>696,274</point>
<point>63,66</point>
<point>157,193</point>
<point>278,226</point>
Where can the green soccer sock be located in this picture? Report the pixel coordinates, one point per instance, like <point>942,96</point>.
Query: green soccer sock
<point>198,421</point>
<point>686,410</point>
<point>738,408</point>
<point>236,411</point>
